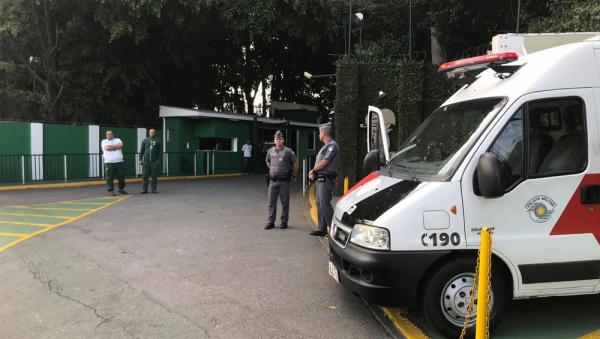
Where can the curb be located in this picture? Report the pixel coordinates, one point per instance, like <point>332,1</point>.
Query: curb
<point>102,182</point>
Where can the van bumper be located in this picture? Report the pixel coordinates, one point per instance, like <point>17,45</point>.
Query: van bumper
<point>382,278</point>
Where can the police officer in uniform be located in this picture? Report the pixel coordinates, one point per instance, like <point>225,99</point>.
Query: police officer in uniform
<point>283,166</point>
<point>150,155</point>
<point>325,172</point>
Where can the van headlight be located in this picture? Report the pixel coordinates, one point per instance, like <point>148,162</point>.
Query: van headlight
<point>373,237</point>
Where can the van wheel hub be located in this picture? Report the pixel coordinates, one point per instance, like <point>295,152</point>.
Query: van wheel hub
<point>455,300</point>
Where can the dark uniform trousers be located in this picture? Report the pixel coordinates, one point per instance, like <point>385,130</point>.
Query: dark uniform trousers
<point>279,189</point>
<point>324,192</point>
<point>112,169</point>
<point>149,169</point>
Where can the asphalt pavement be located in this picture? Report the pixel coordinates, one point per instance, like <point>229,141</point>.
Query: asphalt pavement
<point>190,262</point>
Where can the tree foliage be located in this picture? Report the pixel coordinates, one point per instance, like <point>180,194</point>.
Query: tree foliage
<point>115,61</point>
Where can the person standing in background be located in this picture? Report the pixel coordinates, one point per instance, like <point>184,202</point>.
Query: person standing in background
<point>325,172</point>
<point>282,165</point>
<point>113,162</point>
<point>150,156</point>
<point>247,150</point>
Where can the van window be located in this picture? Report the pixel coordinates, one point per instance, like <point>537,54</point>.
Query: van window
<point>509,149</point>
<point>557,137</point>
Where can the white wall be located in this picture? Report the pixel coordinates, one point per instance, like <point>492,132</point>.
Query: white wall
<point>94,150</point>
<point>37,150</point>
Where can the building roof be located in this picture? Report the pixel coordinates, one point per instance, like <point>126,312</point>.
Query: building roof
<point>178,112</point>
<point>280,105</point>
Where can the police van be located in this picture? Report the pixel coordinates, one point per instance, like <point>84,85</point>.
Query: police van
<point>516,148</point>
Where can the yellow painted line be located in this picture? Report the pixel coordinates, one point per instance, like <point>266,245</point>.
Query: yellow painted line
<point>35,215</point>
<point>103,182</point>
<point>312,201</point>
<point>52,208</point>
<point>74,203</point>
<point>407,328</point>
<point>16,235</point>
<point>591,335</point>
<point>118,200</point>
<point>26,223</point>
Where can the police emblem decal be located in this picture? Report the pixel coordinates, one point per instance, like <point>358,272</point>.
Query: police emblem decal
<point>540,208</point>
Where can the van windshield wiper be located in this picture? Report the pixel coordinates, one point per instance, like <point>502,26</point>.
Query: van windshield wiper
<point>408,169</point>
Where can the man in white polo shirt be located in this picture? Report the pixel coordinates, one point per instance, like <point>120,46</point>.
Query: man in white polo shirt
<point>113,161</point>
<point>247,149</point>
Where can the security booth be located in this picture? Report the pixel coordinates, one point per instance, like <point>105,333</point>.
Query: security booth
<point>207,142</point>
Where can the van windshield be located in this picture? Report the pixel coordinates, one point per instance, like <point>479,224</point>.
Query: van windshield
<point>437,147</point>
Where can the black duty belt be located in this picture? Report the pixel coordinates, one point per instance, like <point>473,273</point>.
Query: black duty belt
<point>323,177</point>
<point>280,178</point>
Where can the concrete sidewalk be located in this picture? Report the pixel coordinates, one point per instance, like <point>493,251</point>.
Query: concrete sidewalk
<point>193,261</point>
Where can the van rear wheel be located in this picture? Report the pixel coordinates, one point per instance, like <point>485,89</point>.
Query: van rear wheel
<point>447,295</point>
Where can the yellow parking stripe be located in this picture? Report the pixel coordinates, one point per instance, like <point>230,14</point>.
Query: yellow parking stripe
<point>44,230</point>
<point>36,215</point>
<point>592,335</point>
<point>76,203</point>
<point>52,208</point>
<point>25,223</point>
<point>17,235</point>
<point>407,328</point>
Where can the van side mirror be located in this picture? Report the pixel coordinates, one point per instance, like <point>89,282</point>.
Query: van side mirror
<point>371,163</point>
<point>490,180</point>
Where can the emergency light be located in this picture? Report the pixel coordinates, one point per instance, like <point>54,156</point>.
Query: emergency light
<point>463,65</point>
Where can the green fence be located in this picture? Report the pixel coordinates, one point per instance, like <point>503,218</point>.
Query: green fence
<point>26,169</point>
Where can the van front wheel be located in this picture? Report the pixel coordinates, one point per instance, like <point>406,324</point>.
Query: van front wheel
<point>447,295</point>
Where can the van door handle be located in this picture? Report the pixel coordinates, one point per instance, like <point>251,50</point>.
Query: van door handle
<point>590,194</point>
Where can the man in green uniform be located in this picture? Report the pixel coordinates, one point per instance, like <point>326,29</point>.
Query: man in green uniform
<point>150,155</point>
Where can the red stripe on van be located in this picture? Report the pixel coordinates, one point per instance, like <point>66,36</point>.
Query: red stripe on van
<point>578,218</point>
<point>365,180</point>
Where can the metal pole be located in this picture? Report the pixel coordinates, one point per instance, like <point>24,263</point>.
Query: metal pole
<point>518,15</point>
<point>360,36</point>
<point>350,29</point>
<point>65,166</point>
<point>195,170</point>
<point>485,248</point>
<point>23,169</point>
<point>409,29</point>
<point>207,158</point>
<point>167,154</point>
<point>304,177</point>
<point>346,185</point>
<point>213,162</point>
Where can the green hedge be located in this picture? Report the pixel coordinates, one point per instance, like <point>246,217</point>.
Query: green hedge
<point>413,90</point>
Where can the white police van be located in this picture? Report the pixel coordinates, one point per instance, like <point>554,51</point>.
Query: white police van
<point>517,148</point>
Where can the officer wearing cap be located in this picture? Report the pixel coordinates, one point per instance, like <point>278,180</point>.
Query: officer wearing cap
<point>325,172</point>
<point>283,166</point>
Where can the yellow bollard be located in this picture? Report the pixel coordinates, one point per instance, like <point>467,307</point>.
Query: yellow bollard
<point>485,251</point>
<point>346,185</point>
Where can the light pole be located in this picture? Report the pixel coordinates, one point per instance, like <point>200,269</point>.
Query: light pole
<point>409,29</point>
<point>350,28</point>
<point>349,45</point>
<point>360,18</point>
<point>32,61</point>
<point>518,15</point>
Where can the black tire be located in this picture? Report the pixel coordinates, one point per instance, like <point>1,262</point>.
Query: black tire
<point>453,277</point>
